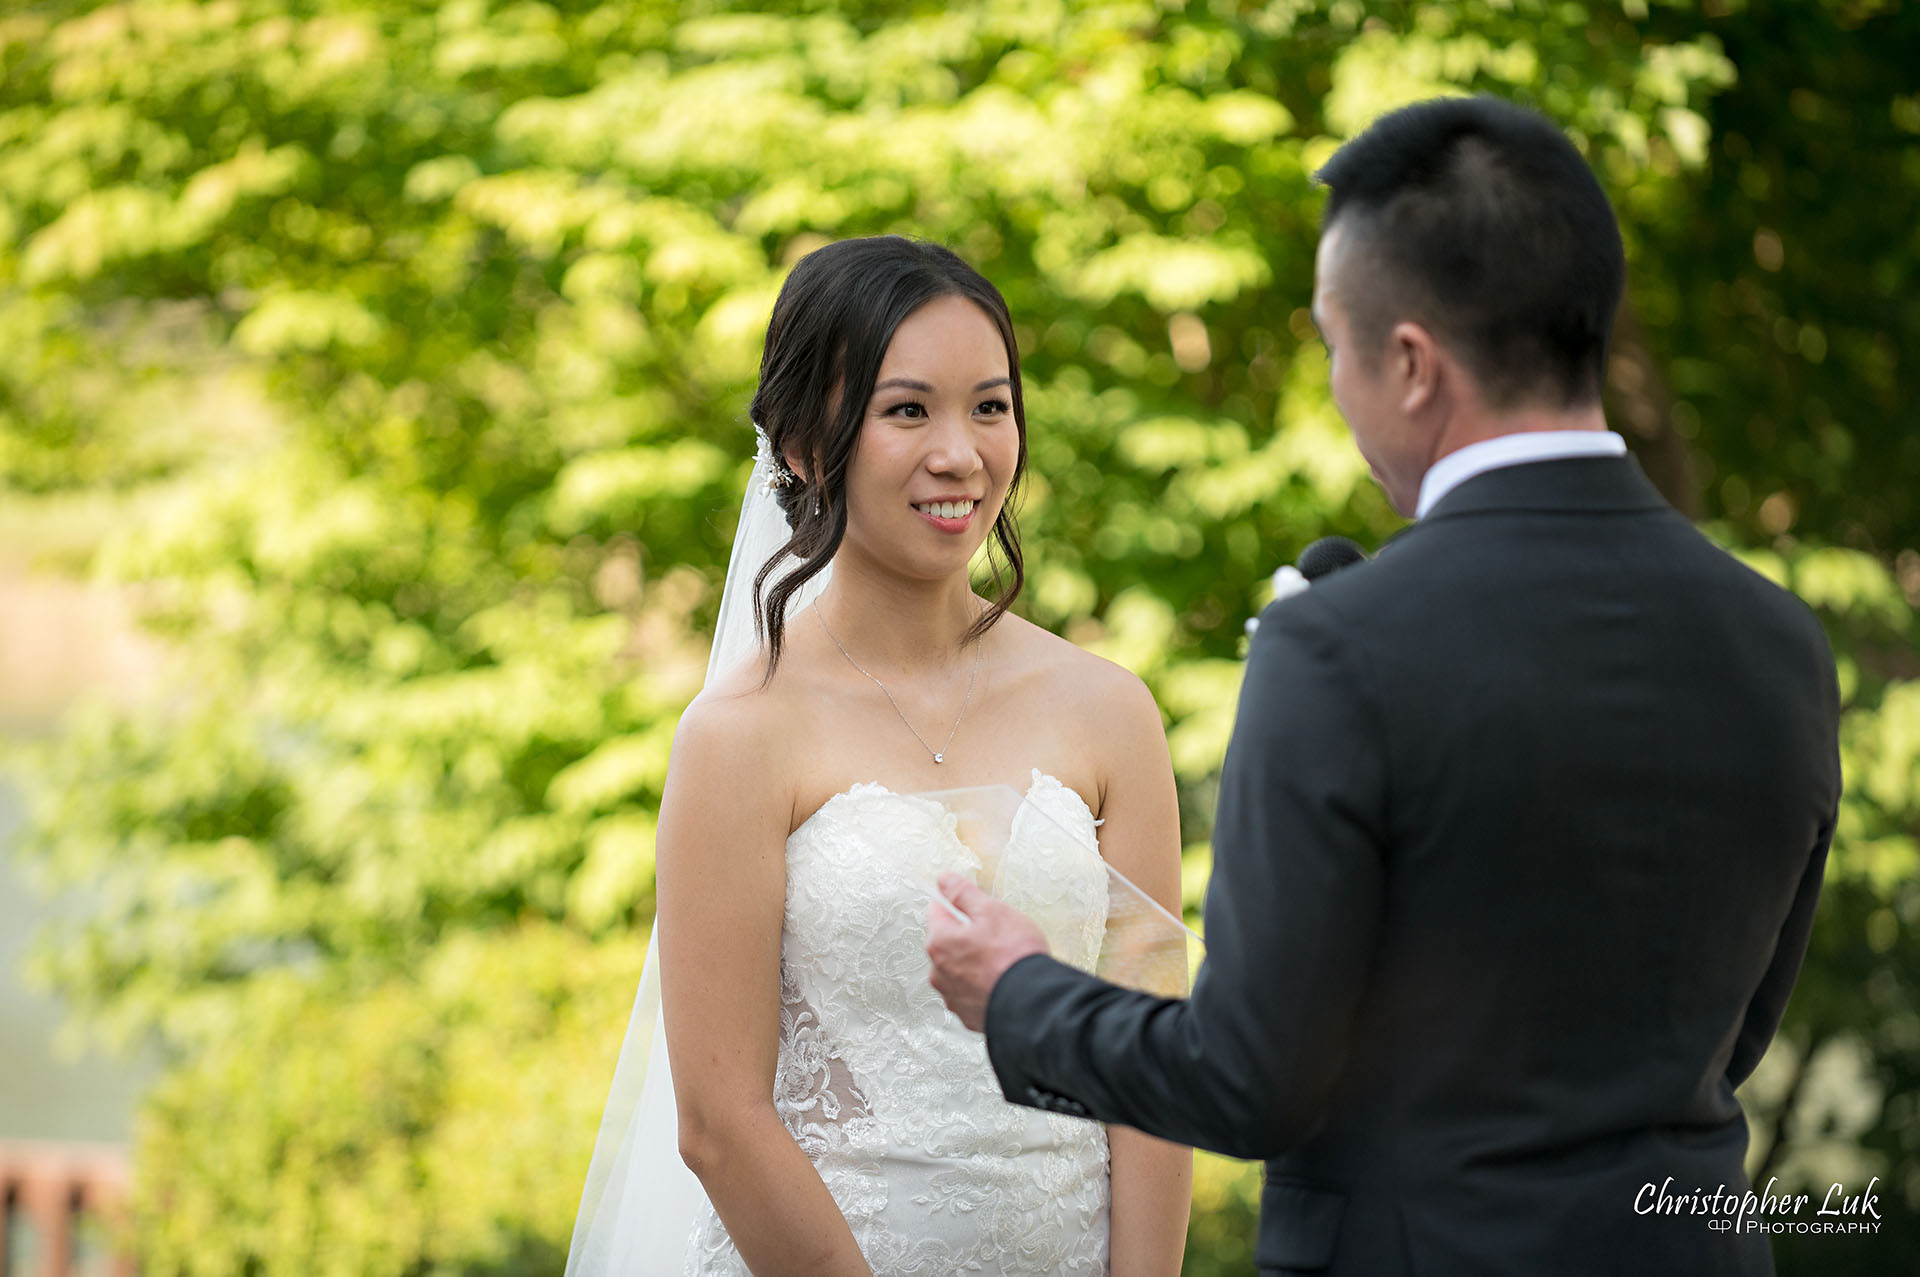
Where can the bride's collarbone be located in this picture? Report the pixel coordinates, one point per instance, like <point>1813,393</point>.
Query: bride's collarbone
<point>835,730</point>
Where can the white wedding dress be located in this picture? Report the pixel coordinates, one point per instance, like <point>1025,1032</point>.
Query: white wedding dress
<point>888,1094</point>
<point>892,1099</point>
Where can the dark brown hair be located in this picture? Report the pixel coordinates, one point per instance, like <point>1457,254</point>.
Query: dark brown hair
<point>831,326</point>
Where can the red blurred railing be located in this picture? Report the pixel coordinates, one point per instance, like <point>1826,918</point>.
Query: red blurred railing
<point>58,1205</point>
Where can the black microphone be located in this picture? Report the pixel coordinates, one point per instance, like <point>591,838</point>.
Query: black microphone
<point>1328,555</point>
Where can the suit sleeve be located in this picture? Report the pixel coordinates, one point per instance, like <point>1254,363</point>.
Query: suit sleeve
<point>1769,1002</point>
<point>1243,1066</point>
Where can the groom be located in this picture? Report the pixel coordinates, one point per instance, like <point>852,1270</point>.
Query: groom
<point>1523,822</point>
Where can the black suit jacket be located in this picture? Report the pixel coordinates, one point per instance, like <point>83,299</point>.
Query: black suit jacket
<point>1519,838</point>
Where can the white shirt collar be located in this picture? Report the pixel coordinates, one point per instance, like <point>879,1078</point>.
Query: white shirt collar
<point>1456,468</point>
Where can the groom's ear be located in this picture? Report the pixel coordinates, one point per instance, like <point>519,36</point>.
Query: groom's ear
<point>1415,365</point>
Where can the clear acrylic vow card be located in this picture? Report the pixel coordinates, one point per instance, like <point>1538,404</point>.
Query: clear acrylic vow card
<point>1033,861</point>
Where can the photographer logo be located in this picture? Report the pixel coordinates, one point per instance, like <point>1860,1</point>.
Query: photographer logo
<point>1766,1212</point>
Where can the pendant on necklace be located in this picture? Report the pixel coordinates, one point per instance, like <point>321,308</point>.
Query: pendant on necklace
<point>939,758</point>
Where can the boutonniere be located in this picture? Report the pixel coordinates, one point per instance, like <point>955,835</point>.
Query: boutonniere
<point>1287,582</point>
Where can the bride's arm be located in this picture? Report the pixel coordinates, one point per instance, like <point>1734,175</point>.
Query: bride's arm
<point>721,863</point>
<point>1152,1179</point>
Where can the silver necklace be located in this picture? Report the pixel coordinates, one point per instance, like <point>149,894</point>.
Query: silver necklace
<point>939,755</point>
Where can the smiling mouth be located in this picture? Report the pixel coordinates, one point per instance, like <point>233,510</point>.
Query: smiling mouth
<point>946,509</point>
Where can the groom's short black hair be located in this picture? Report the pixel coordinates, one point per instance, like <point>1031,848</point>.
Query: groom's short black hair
<point>1479,220</point>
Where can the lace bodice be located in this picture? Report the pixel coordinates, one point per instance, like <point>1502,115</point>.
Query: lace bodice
<point>892,1099</point>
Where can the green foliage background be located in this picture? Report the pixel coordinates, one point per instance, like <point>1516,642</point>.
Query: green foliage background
<point>410,345</point>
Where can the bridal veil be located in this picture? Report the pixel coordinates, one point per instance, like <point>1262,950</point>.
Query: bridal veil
<point>640,1201</point>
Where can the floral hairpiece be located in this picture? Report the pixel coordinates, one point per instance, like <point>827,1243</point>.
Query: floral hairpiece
<point>780,474</point>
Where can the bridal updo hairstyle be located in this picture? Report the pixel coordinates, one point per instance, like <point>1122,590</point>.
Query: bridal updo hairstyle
<point>1480,221</point>
<point>831,326</point>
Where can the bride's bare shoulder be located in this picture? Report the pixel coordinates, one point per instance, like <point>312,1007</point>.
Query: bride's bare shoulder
<point>1101,691</point>
<point>727,799</point>
<point>731,719</point>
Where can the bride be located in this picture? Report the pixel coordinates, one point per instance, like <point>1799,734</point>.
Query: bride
<point>835,1117</point>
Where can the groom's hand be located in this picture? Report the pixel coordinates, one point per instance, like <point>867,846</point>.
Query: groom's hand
<point>970,957</point>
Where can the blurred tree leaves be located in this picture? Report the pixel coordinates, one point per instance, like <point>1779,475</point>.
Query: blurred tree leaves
<point>1787,288</point>
<point>415,1123</point>
<point>420,337</point>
